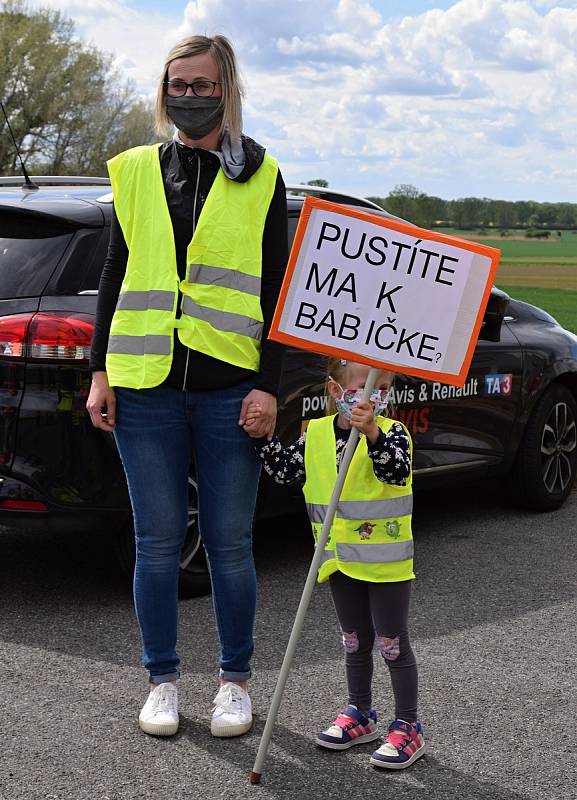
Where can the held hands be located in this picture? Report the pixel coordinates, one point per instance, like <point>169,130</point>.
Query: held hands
<point>253,415</point>
<point>258,414</point>
<point>363,419</point>
<point>101,403</point>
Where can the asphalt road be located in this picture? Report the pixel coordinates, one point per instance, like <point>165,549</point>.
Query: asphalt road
<point>493,628</point>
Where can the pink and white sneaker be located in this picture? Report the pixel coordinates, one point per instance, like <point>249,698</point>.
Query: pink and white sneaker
<point>349,728</point>
<point>403,745</point>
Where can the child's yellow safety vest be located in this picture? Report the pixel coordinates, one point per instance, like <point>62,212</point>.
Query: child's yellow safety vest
<point>221,311</point>
<point>371,536</point>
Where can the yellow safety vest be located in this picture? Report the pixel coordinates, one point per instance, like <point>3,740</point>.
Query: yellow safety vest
<point>371,536</point>
<point>221,311</point>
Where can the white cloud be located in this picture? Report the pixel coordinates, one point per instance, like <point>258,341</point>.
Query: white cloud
<point>463,101</point>
<point>137,40</point>
<point>476,99</point>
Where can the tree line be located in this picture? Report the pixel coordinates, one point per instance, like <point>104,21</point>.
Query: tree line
<point>68,107</point>
<point>408,202</point>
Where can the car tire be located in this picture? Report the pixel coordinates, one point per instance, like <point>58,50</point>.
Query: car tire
<point>194,579</point>
<point>546,464</point>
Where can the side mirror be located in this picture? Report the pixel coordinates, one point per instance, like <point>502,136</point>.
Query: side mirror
<point>494,313</point>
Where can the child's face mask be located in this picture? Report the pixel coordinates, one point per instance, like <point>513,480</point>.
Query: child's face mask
<point>351,397</point>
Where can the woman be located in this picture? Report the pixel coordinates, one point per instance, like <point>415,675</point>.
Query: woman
<point>196,258</point>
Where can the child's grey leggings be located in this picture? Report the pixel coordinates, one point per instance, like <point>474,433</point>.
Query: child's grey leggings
<point>376,610</point>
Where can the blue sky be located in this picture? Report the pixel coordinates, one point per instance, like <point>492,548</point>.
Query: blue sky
<point>459,98</point>
<point>388,8</point>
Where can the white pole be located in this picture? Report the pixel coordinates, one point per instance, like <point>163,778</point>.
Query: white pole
<point>308,590</point>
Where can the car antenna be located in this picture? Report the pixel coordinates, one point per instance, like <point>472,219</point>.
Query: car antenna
<point>29,186</point>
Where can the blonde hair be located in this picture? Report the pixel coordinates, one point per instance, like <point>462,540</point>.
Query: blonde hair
<point>222,51</point>
<point>336,370</point>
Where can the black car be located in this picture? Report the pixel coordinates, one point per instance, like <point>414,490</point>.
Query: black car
<point>516,416</point>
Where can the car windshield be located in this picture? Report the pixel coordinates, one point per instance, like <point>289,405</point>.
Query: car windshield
<point>29,252</point>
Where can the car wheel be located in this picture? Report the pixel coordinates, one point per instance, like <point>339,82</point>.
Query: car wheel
<point>194,580</point>
<point>546,464</point>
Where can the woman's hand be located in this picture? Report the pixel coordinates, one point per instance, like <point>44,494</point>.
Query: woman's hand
<point>262,422</point>
<point>363,419</point>
<point>101,403</point>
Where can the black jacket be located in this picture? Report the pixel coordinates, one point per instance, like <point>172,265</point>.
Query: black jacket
<point>180,166</point>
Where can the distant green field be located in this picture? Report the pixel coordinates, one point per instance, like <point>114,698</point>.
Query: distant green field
<point>542,272</point>
<point>562,249</point>
<point>537,275</point>
<point>560,303</point>
<point>539,260</point>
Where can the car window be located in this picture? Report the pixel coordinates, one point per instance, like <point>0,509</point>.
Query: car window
<point>292,226</point>
<point>80,269</point>
<point>30,249</point>
<point>92,276</point>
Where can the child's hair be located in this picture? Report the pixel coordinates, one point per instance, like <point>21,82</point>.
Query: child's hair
<point>336,369</point>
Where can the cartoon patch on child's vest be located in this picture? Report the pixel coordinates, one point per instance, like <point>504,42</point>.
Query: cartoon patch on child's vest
<point>366,529</point>
<point>393,529</point>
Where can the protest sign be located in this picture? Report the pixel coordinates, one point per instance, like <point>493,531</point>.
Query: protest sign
<point>384,292</point>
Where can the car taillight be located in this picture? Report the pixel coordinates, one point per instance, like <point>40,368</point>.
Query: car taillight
<point>23,505</point>
<point>61,336</point>
<point>13,332</point>
<point>46,336</point>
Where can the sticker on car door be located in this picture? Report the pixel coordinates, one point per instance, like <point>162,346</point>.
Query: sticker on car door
<point>498,384</point>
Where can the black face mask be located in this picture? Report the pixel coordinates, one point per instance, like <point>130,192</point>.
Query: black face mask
<point>195,116</point>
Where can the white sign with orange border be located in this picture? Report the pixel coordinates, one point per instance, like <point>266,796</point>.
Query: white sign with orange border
<point>385,293</point>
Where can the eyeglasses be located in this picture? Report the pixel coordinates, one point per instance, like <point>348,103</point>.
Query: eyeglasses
<point>199,88</point>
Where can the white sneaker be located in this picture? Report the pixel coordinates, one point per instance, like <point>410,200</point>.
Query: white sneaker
<point>159,715</point>
<point>232,715</point>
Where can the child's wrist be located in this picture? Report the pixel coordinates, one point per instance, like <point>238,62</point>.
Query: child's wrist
<point>373,433</point>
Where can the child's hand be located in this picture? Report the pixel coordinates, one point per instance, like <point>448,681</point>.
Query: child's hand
<point>252,416</point>
<point>263,416</point>
<point>363,419</point>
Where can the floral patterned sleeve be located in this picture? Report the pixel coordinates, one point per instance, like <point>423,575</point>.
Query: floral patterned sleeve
<point>284,464</point>
<point>391,456</point>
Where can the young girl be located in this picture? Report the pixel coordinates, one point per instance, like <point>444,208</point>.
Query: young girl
<point>368,559</point>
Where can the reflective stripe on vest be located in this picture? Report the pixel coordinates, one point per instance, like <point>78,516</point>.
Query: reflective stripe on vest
<point>217,276</point>
<point>221,313</point>
<point>371,553</point>
<point>149,344</point>
<point>364,509</point>
<point>370,537</point>
<point>143,300</point>
<point>223,320</point>
<point>375,553</point>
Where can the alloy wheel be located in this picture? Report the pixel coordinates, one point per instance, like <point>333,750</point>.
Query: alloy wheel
<point>558,442</point>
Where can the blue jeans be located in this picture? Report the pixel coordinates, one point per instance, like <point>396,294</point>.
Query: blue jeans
<point>159,432</point>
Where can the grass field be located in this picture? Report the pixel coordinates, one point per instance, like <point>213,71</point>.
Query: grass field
<point>560,303</point>
<point>540,272</point>
<point>553,250</point>
<point>539,276</point>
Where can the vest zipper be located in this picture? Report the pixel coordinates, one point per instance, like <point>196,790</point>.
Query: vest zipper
<point>193,230</point>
